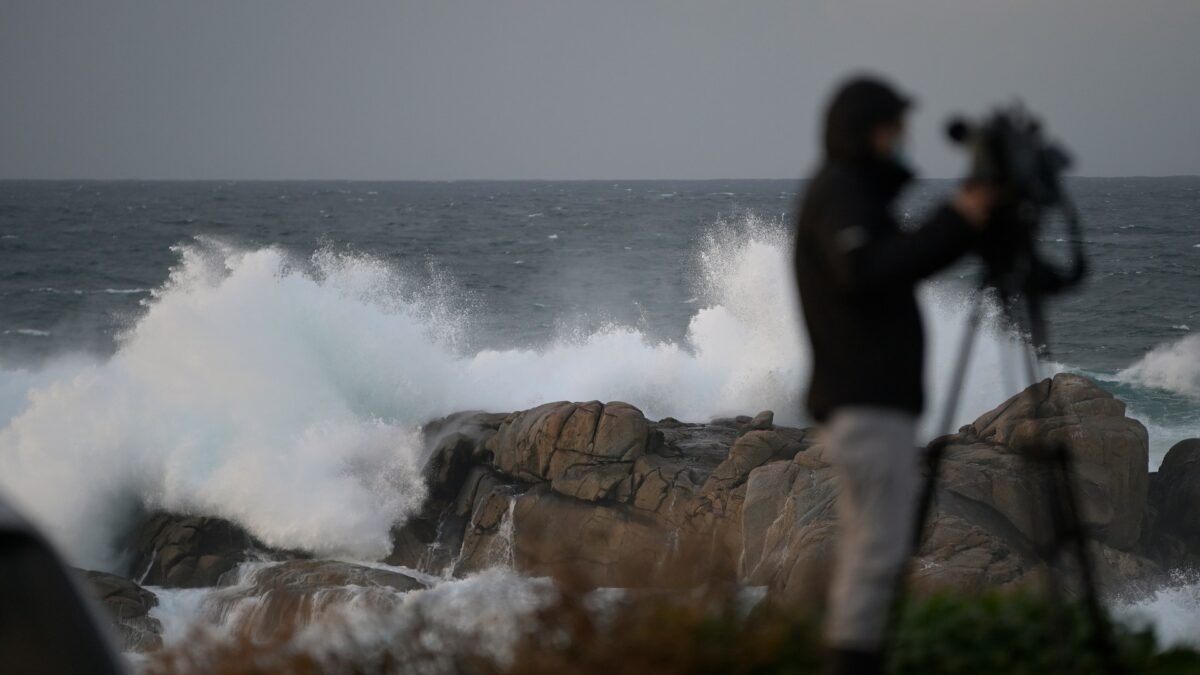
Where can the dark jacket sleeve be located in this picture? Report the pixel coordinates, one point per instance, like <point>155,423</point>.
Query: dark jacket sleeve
<point>864,261</point>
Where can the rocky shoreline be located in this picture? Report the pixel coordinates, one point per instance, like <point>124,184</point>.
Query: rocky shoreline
<point>596,495</point>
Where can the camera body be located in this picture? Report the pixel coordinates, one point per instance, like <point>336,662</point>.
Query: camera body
<point>1008,152</point>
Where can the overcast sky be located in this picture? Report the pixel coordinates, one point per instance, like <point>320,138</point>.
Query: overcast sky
<point>450,89</point>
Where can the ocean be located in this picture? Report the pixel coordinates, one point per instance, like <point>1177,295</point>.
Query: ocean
<point>231,347</point>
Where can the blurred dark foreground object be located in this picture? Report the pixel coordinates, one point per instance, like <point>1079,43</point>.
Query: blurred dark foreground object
<point>1009,152</point>
<point>47,624</point>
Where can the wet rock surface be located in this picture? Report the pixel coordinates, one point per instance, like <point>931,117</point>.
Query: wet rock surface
<point>594,494</point>
<point>1172,531</point>
<point>128,606</point>
<point>597,494</point>
<point>189,551</point>
<point>270,600</point>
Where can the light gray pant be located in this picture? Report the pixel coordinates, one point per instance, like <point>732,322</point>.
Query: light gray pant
<point>873,452</point>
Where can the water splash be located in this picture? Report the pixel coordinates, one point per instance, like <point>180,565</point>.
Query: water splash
<point>286,394</point>
<point>1173,366</point>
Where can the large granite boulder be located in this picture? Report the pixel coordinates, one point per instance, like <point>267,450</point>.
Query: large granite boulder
<point>986,461</point>
<point>990,513</point>
<point>1178,491</point>
<point>585,450</point>
<point>189,551</point>
<point>272,600</point>
<point>788,526</point>
<point>596,493</point>
<point>455,460</point>
<point>1172,536</point>
<point>128,606</point>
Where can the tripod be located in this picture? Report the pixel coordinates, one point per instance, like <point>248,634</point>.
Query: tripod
<point>1069,536</point>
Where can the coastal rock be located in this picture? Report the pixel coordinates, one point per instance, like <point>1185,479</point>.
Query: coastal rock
<point>128,605</point>
<point>991,507</point>
<point>452,444</point>
<point>271,600</point>
<point>985,461</point>
<point>964,556</point>
<point>1178,488</point>
<point>789,530</point>
<point>455,451</point>
<point>177,551</point>
<point>1172,536</point>
<point>788,526</point>
<point>596,494</point>
<point>586,450</point>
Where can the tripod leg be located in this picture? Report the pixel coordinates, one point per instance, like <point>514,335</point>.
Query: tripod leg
<point>959,376</point>
<point>1070,530</point>
<point>1032,367</point>
<point>1049,548</point>
<point>949,410</point>
<point>934,458</point>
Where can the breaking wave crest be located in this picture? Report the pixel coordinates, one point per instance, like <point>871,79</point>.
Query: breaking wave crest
<point>1173,366</point>
<point>286,393</point>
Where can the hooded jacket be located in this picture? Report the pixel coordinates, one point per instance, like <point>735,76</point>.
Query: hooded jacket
<point>857,270</point>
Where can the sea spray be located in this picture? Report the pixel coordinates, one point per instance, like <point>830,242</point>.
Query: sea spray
<point>286,394</point>
<point>1173,366</point>
<point>1162,389</point>
<point>1170,610</point>
<point>484,614</point>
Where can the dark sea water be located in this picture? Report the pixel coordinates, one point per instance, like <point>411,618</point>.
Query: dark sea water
<point>532,260</point>
<point>267,351</point>
<point>77,258</point>
<point>535,265</point>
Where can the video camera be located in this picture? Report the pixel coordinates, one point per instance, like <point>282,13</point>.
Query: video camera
<point>1008,152</point>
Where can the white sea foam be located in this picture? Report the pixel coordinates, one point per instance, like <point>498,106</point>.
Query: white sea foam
<point>486,613</point>
<point>1171,611</point>
<point>286,394</point>
<point>1174,366</point>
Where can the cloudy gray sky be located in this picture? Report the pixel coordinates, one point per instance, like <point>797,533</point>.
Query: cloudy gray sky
<point>448,89</point>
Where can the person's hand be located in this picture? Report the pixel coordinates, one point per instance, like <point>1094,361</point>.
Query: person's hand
<point>974,202</point>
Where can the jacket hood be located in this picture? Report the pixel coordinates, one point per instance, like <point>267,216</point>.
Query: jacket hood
<point>858,107</point>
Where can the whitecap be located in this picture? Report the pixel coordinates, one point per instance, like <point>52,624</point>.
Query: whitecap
<point>287,394</point>
<point>1173,611</point>
<point>1172,366</point>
